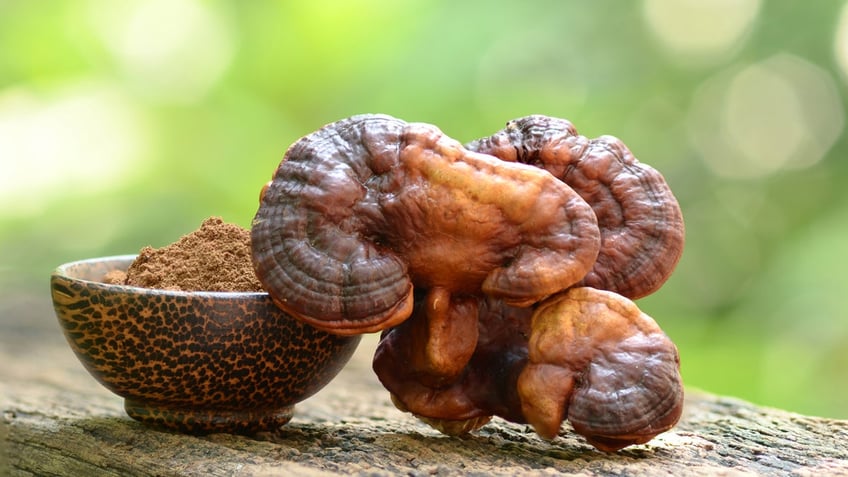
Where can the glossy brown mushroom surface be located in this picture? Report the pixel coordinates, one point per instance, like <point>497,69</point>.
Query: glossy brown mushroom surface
<point>475,264</point>
<point>642,231</point>
<point>585,355</point>
<point>597,360</point>
<point>457,403</point>
<point>366,209</point>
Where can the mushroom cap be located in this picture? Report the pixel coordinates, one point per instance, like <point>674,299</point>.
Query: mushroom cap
<point>306,236</point>
<point>597,360</point>
<point>364,210</point>
<point>478,265</point>
<point>585,355</point>
<point>642,230</point>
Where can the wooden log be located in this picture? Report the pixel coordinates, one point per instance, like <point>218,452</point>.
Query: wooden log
<point>56,420</point>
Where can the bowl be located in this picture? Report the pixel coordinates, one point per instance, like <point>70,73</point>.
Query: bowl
<point>196,362</point>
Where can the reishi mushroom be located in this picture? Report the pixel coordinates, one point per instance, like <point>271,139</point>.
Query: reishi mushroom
<point>642,230</point>
<point>596,359</point>
<point>586,355</point>
<point>499,272</point>
<point>366,209</point>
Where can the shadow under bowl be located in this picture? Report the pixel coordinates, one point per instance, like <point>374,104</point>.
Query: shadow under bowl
<point>197,362</point>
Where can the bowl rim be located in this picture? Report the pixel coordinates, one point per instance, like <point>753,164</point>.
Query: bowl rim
<point>61,272</point>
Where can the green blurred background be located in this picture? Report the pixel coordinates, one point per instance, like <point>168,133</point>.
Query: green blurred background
<point>126,123</point>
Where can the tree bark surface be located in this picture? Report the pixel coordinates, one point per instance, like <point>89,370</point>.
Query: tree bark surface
<point>56,420</point>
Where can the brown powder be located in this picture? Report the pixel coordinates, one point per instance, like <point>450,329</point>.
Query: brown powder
<point>115,277</point>
<point>215,257</point>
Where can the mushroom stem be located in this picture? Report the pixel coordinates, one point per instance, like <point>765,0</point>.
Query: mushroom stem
<point>544,391</point>
<point>446,336</point>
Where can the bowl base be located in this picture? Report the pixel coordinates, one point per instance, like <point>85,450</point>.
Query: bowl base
<point>206,420</point>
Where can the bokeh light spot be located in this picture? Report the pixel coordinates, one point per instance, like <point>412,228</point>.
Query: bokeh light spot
<point>174,50</point>
<point>781,113</point>
<point>84,140</point>
<point>695,31</point>
<point>763,118</point>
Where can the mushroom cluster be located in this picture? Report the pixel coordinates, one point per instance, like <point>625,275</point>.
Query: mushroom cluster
<point>500,273</point>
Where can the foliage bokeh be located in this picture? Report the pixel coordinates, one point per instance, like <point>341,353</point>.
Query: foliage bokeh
<point>124,124</point>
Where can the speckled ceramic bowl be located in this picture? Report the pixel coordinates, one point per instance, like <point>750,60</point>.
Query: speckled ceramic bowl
<point>196,362</point>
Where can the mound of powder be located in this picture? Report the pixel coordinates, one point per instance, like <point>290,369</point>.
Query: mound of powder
<point>216,257</point>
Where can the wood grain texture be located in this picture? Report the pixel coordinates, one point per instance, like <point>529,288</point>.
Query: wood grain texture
<point>56,420</point>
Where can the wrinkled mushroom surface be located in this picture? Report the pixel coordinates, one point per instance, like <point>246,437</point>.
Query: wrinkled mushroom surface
<point>598,361</point>
<point>585,355</point>
<point>641,224</point>
<point>367,209</point>
<point>458,402</point>
<point>486,267</point>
